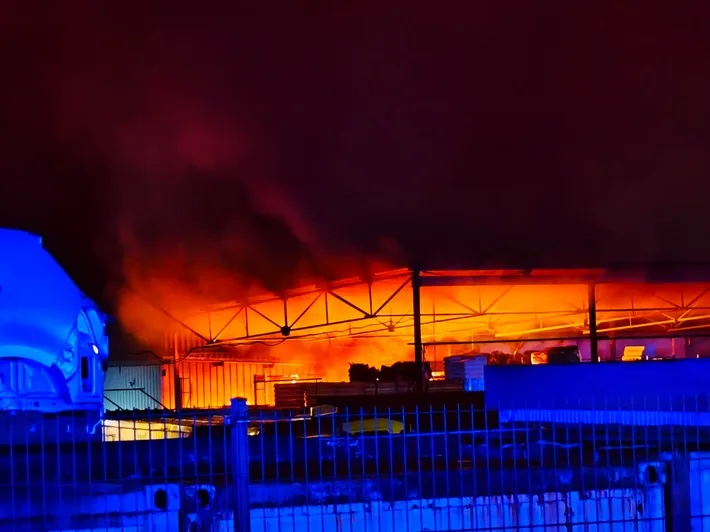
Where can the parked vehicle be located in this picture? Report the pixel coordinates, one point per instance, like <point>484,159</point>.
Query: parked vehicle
<point>53,342</point>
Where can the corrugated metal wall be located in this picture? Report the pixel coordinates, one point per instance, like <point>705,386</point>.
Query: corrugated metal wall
<point>133,387</point>
<point>202,384</point>
<point>212,384</point>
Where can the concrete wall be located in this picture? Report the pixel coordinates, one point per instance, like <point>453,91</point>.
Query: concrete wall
<point>637,510</point>
<point>640,510</point>
<point>72,509</point>
<point>625,509</point>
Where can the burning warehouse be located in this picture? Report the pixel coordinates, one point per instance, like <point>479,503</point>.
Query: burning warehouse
<point>203,355</point>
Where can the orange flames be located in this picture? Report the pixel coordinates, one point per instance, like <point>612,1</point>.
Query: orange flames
<point>356,321</point>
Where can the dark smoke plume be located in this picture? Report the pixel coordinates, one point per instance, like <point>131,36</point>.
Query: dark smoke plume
<point>277,143</point>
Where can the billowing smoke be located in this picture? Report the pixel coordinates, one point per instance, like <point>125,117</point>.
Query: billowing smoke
<point>201,155</point>
<point>158,167</point>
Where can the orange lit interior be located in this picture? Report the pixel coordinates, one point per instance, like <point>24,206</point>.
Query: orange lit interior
<point>356,321</point>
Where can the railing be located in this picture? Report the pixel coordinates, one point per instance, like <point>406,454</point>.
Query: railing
<point>613,465</point>
<point>130,390</point>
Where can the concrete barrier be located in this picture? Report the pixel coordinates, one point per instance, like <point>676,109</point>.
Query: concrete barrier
<point>165,508</point>
<point>628,509</point>
<point>109,507</point>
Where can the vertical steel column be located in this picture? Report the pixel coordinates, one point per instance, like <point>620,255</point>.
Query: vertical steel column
<point>593,340</point>
<point>177,385</point>
<point>417,311</point>
<point>240,465</point>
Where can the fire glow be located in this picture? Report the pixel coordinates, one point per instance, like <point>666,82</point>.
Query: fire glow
<point>324,328</point>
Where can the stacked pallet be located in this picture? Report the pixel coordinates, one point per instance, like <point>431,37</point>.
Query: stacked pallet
<point>305,394</point>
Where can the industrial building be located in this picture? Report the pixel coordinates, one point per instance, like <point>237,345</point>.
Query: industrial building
<point>202,357</point>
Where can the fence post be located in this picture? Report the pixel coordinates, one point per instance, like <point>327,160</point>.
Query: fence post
<point>678,494</point>
<point>240,464</point>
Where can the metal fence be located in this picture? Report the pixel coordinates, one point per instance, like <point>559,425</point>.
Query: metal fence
<point>472,465</point>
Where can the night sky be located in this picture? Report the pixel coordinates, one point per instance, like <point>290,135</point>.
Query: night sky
<point>311,136</point>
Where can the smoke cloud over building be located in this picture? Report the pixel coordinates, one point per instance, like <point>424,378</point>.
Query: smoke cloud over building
<point>216,157</point>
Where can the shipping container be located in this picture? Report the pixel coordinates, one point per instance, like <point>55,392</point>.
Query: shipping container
<point>462,367</point>
<point>466,368</point>
<point>133,387</point>
<point>213,384</point>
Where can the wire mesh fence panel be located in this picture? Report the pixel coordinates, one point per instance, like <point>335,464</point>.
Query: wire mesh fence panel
<point>137,471</point>
<point>459,467</point>
<point>524,462</point>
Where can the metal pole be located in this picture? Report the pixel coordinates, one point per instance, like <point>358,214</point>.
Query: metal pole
<point>593,340</point>
<point>416,310</point>
<point>240,465</point>
<point>177,388</point>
